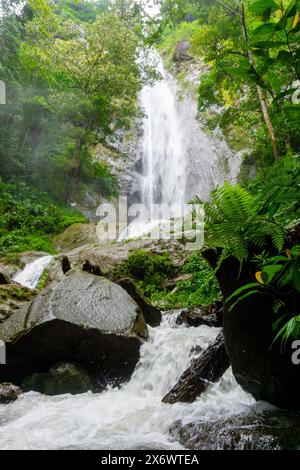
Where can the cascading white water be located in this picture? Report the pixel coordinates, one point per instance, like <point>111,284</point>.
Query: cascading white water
<point>132,417</point>
<point>176,157</point>
<point>163,146</point>
<point>30,275</point>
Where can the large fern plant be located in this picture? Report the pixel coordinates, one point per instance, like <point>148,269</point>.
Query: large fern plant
<point>234,223</point>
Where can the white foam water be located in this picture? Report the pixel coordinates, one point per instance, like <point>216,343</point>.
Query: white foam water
<point>132,417</point>
<point>30,275</point>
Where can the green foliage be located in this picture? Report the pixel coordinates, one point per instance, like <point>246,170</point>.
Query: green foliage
<point>171,36</point>
<point>29,218</point>
<point>261,51</point>
<point>151,272</point>
<point>43,280</point>
<point>201,289</point>
<point>234,223</point>
<point>279,278</point>
<point>72,77</point>
<point>242,220</point>
<point>148,269</point>
<point>277,190</point>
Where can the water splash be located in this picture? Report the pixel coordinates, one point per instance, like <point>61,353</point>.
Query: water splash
<point>132,417</point>
<point>32,272</point>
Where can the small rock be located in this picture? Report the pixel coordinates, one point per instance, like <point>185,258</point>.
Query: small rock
<point>197,316</point>
<point>151,314</point>
<point>9,392</point>
<point>92,268</point>
<point>65,264</point>
<point>207,368</point>
<point>4,279</point>
<point>181,52</point>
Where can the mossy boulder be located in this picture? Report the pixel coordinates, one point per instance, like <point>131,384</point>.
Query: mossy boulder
<point>76,235</point>
<point>63,377</point>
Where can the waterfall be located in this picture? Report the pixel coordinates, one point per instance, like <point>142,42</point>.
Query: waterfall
<point>176,158</point>
<point>132,417</point>
<point>32,272</point>
<point>163,150</point>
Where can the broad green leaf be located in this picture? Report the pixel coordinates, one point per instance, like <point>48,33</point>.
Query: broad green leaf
<point>267,44</point>
<point>291,9</point>
<point>285,57</point>
<point>242,289</point>
<point>264,31</point>
<point>278,258</point>
<point>269,272</point>
<point>281,24</point>
<point>245,296</point>
<point>275,324</point>
<point>260,52</point>
<point>261,7</point>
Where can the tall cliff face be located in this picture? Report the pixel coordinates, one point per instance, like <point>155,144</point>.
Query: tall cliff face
<point>210,161</point>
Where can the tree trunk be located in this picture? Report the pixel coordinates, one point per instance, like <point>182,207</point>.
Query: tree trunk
<point>268,122</point>
<point>74,175</point>
<point>260,92</point>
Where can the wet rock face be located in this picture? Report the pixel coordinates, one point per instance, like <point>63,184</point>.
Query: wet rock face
<point>207,368</point>
<point>84,319</point>
<point>151,314</point>
<point>181,52</point>
<point>4,279</point>
<point>197,316</point>
<point>9,393</point>
<point>268,430</point>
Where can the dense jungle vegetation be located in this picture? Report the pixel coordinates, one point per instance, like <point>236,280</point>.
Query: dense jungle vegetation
<point>66,94</point>
<point>63,96</point>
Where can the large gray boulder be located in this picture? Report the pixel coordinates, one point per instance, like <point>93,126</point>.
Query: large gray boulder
<point>82,318</point>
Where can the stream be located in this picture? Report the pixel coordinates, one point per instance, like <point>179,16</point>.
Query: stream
<point>132,417</point>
